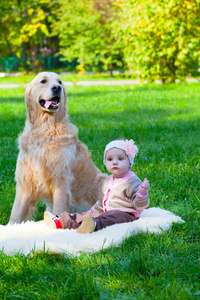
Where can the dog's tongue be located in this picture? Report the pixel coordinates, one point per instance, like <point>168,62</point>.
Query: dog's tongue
<point>48,103</point>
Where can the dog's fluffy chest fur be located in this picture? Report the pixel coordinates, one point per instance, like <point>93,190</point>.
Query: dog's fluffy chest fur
<point>46,154</point>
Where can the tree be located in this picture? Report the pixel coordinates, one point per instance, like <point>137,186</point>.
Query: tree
<point>24,27</point>
<point>85,30</point>
<point>157,39</point>
<point>161,38</point>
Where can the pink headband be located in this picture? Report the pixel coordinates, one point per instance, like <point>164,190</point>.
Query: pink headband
<point>128,146</point>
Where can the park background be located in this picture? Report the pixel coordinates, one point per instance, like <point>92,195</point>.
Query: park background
<point>154,40</point>
<point>145,40</point>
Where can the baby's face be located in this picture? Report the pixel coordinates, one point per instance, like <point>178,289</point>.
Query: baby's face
<point>117,162</point>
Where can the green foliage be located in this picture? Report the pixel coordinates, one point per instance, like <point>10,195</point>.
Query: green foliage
<point>85,32</point>
<point>164,122</point>
<point>154,39</point>
<point>161,38</point>
<point>23,28</point>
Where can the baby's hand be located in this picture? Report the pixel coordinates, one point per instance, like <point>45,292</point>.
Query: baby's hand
<point>143,190</point>
<point>145,184</point>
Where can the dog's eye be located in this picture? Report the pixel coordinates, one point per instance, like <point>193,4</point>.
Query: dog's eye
<point>43,81</point>
<point>60,82</point>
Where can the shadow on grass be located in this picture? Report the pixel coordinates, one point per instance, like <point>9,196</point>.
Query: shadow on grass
<point>145,126</point>
<point>157,127</point>
<point>11,99</point>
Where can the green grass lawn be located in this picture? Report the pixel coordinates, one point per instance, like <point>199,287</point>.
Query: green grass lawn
<point>164,121</point>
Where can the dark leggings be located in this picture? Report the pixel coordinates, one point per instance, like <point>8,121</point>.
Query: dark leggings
<point>73,221</point>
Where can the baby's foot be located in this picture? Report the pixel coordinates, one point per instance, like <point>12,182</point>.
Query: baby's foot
<point>52,221</point>
<point>87,226</point>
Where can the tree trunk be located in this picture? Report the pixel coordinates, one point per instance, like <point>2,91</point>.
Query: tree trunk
<point>24,57</point>
<point>111,70</point>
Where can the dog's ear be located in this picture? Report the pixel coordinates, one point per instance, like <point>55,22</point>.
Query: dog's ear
<point>28,91</point>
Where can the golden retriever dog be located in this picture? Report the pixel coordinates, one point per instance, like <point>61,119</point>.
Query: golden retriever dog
<point>52,164</point>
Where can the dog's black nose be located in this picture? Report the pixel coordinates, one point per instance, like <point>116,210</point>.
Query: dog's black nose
<point>56,88</point>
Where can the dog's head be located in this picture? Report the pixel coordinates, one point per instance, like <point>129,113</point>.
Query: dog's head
<point>46,93</point>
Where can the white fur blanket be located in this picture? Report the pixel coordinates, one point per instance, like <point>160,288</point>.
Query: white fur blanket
<point>37,236</point>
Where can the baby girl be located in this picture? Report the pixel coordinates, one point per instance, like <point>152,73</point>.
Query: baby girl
<point>123,196</point>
